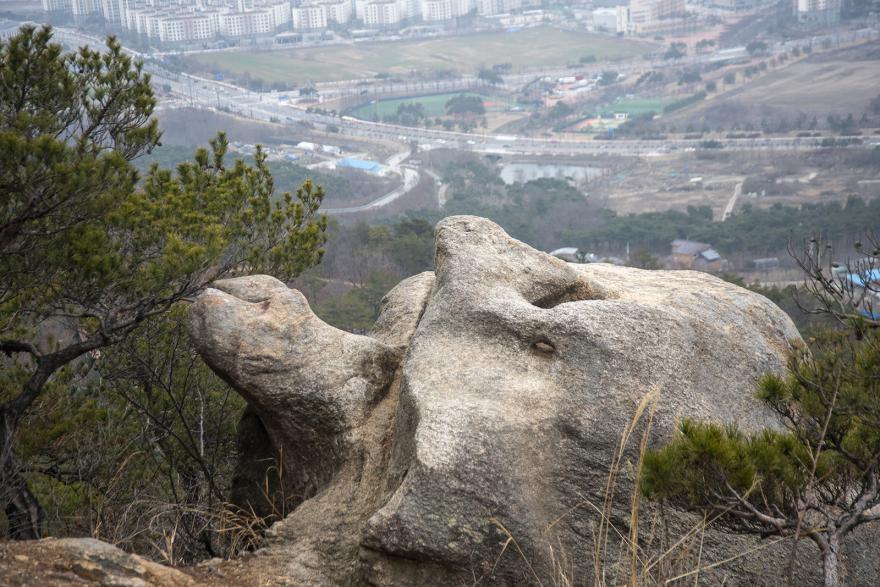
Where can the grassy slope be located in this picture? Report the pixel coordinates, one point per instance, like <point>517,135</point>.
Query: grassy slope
<point>840,82</point>
<point>526,49</point>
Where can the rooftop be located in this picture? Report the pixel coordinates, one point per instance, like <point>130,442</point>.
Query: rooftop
<point>686,247</point>
<point>361,164</point>
<point>858,279</point>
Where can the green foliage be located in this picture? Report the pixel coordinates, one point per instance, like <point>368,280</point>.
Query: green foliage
<point>608,77</point>
<point>644,260</point>
<point>464,104</point>
<point>815,476</point>
<point>560,110</point>
<point>831,399</point>
<point>69,123</point>
<point>675,51</point>
<point>286,175</point>
<point>491,76</point>
<point>706,458</point>
<point>408,114</point>
<point>78,239</point>
<point>689,77</point>
<point>538,212</point>
<point>145,446</point>
<point>756,47</point>
<point>357,309</point>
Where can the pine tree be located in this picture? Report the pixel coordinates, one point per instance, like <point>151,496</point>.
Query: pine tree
<point>88,251</point>
<point>815,477</point>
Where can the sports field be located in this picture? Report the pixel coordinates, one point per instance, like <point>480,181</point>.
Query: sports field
<point>434,105</point>
<point>637,106</point>
<point>525,49</point>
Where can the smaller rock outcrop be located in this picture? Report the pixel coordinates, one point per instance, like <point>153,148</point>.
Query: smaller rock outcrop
<point>309,383</point>
<point>81,561</point>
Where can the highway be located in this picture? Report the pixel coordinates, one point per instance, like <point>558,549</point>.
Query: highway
<point>194,91</point>
<point>272,106</point>
<point>200,92</point>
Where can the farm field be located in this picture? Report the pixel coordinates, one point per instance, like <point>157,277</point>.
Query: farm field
<point>840,82</point>
<point>525,49</point>
<point>434,105</point>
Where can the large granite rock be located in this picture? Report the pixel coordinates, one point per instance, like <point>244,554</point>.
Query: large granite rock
<point>487,405</point>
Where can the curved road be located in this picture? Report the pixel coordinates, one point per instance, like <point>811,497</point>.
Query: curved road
<point>410,180</point>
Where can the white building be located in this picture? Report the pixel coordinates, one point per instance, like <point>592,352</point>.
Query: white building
<point>110,10</point>
<point>57,5</point>
<point>648,12</point>
<point>436,10</point>
<point>817,12</point>
<point>189,27</point>
<point>382,13</point>
<point>338,11</point>
<point>493,7</point>
<point>243,24</point>
<point>84,7</point>
<point>613,20</point>
<point>282,14</point>
<point>462,7</point>
<point>311,16</point>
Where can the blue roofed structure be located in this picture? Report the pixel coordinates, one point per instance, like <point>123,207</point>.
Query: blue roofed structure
<point>866,292</point>
<point>858,279</point>
<point>361,165</point>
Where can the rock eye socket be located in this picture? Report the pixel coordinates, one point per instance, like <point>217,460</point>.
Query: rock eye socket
<point>544,346</point>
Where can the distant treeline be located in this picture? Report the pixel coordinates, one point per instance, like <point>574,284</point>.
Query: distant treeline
<point>753,230</point>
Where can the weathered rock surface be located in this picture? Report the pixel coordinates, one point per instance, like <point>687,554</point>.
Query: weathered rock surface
<point>309,383</point>
<point>81,561</point>
<point>519,375</point>
<point>486,404</point>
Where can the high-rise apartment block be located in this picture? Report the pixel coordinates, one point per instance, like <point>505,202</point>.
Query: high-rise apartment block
<point>817,12</point>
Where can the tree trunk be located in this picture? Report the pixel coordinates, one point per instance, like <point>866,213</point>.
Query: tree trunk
<point>830,562</point>
<point>24,516</point>
<point>23,512</point>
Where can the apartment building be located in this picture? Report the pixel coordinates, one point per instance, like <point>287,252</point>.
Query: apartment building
<point>493,7</point>
<point>57,5</point>
<point>648,12</point>
<point>338,11</point>
<point>110,10</point>
<point>309,16</point>
<point>85,7</point>
<point>436,10</point>
<point>189,27</point>
<point>611,20</point>
<point>383,13</point>
<point>245,24</point>
<point>282,13</point>
<point>817,12</point>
